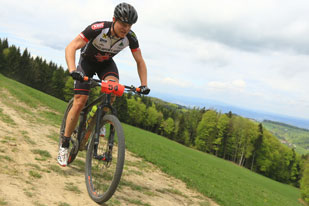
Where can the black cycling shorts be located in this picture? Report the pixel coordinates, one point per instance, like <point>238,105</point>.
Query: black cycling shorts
<point>104,69</point>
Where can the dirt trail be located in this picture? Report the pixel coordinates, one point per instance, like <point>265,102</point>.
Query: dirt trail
<point>29,174</point>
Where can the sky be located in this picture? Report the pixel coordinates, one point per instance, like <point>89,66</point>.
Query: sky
<point>245,53</point>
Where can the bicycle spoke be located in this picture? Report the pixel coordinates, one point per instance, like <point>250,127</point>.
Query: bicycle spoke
<point>105,163</point>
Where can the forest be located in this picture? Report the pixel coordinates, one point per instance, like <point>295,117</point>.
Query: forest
<point>226,135</point>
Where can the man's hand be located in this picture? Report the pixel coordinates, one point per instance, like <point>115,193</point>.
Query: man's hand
<point>77,75</point>
<point>144,90</point>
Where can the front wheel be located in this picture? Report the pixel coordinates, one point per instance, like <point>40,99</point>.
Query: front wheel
<point>105,160</point>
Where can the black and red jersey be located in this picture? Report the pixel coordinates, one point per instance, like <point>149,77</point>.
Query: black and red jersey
<point>100,44</point>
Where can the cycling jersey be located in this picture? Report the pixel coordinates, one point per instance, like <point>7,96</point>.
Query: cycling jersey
<point>100,44</point>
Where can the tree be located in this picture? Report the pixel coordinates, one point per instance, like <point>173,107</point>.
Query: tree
<point>207,132</point>
<point>222,135</point>
<point>12,56</point>
<point>152,118</point>
<point>168,127</point>
<point>193,117</point>
<point>181,132</point>
<point>121,106</point>
<point>68,91</point>
<point>257,145</point>
<point>3,46</point>
<point>136,111</point>
<point>249,133</point>
<point>25,67</point>
<point>57,83</point>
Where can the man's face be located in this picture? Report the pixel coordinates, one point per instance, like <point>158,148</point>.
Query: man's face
<point>121,28</point>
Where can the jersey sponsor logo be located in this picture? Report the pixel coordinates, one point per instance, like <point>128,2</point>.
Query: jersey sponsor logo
<point>104,36</point>
<point>97,26</point>
<point>103,40</point>
<point>101,58</point>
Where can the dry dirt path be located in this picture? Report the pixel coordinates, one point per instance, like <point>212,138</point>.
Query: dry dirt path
<point>29,174</point>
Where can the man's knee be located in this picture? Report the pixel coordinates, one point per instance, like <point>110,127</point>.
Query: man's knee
<point>80,101</point>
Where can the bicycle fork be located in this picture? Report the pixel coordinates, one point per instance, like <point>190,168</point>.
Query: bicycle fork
<point>106,156</point>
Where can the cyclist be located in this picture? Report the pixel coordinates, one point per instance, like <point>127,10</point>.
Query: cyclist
<point>99,42</point>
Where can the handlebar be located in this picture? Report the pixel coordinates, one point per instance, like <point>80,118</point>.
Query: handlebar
<point>111,86</point>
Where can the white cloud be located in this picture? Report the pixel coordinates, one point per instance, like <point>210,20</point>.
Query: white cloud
<point>231,86</point>
<point>168,81</point>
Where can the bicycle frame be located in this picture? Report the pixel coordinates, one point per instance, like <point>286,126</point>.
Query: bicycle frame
<point>104,101</point>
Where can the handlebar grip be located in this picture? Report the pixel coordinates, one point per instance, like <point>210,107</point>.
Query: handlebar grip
<point>86,79</point>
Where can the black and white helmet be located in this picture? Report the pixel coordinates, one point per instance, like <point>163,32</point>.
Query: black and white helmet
<point>126,13</point>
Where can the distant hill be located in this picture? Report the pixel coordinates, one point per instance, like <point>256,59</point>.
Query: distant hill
<point>289,135</point>
<point>220,106</point>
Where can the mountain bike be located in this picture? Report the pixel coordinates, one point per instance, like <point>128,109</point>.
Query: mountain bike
<point>105,154</point>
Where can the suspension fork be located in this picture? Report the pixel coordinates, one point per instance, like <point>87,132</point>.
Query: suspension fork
<point>97,129</point>
<point>100,113</point>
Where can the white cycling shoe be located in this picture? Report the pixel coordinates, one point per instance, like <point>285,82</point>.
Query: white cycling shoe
<point>63,156</point>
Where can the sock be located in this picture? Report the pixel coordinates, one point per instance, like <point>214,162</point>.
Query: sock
<point>66,142</point>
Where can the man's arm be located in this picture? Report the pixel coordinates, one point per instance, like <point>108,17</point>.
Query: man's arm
<point>141,67</point>
<point>70,52</point>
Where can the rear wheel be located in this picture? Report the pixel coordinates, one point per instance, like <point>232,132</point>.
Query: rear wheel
<point>73,149</point>
<point>104,160</point>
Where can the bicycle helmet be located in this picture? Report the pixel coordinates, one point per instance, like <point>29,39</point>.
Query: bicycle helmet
<point>126,13</point>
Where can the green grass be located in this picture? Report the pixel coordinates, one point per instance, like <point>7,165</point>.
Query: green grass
<point>58,170</point>
<point>223,181</point>
<point>35,174</point>
<point>34,99</point>
<point>7,158</point>
<point>172,191</point>
<point>135,201</point>
<point>204,203</point>
<point>54,136</point>
<point>71,187</point>
<point>31,96</point>
<point>34,166</point>
<point>63,204</point>
<point>133,186</point>
<point>39,204</point>
<point>3,202</point>
<point>44,155</point>
<point>6,118</point>
<point>28,193</point>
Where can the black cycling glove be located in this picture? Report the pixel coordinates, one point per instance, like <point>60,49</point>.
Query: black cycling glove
<point>77,75</point>
<point>144,90</point>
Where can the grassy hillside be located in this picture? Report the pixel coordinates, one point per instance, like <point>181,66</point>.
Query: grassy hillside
<point>290,135</point>
<point>223,181</point>
<point>34,98</point>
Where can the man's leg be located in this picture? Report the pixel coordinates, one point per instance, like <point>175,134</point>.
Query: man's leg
<point>71,121</point>
<point>72,118</point>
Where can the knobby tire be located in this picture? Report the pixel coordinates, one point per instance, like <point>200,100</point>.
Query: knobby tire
<point>101,177</point>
